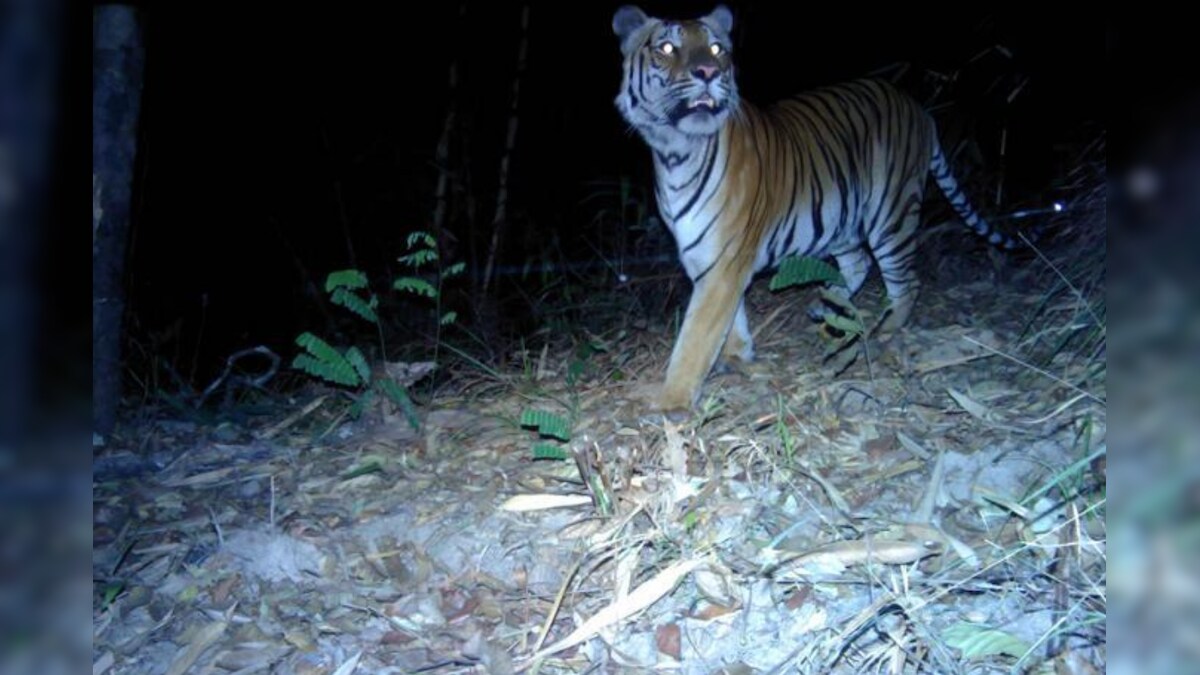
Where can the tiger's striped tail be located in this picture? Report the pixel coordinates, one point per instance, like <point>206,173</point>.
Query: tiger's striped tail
<point>949,186</point>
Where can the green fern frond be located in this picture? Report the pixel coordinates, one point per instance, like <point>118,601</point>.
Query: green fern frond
<point>419,258</point>
<point>798,271</point>
<point>548,451</point>
<point>449,318</point>
<point>317,347</point>
<point>355,303</point>
<point>454,270</point>
<point>345,279</point>
<point>356,359</point>
<point>547,424</point>
<point>325,362</point>
<point>420,237</point>
<point>337,373</point>
<point>415,286</point>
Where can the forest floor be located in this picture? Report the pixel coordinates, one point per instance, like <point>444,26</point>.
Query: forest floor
<point>935,508</point>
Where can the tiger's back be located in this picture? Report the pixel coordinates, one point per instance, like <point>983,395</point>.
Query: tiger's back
<point>833,170</point>
<point>838,172</point>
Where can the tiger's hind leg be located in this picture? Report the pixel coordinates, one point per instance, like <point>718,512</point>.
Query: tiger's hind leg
<point>895,252</point>
<point>854,266</point>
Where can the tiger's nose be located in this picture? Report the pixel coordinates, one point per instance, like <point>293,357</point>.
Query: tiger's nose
<point>705,72</point>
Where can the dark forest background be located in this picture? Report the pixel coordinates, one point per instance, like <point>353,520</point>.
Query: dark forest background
<point>281,142</point>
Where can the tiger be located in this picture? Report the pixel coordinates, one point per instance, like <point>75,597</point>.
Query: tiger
<point>836,172</point>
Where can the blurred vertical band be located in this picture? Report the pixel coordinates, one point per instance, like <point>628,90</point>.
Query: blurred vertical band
<point>44,582</point>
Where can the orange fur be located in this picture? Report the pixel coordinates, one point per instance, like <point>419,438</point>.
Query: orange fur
<point>836,172</point>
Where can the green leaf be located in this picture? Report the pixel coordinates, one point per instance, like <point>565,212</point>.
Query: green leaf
<point>324,362</point>
<point>838,300</point>
<point>337,373</point>
<point>371,466</point>
<point>602,498</point>
<point>415,286</point>
<point>360,404</point>
<point>356,359</point>
<point>399,396</point>
<point>420,237</point>
<point>547,424</point>
<point>845,324</point>
<point>798,271</point>
<point>355,303</point>
<point>979,641</point>
<point>419,258</point>
<point>111,591</point>
<point>575,370</point>
<point>549,451</point>
<point>352,279</point>
<point>454,270</point>
<point>449,318</point>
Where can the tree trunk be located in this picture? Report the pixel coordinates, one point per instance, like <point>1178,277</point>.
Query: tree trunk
<point>510,141</point>
<point>118,57</point>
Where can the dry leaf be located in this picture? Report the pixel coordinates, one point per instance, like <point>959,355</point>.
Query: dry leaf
<point>668,640</point>
<point>203,639</point>
<point>543,501</point>
<point>973,408</point>
<point>638,599</point>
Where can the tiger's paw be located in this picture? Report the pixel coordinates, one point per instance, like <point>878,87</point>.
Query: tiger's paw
<point>728,366</point>
<point>672,404</point>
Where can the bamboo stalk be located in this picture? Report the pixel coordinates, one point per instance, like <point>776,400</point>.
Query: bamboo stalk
<point>501,215</point>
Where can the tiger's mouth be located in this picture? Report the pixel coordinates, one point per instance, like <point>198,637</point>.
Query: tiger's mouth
<point>702,105</point>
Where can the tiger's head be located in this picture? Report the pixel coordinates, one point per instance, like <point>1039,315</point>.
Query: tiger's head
<point>678,74</point>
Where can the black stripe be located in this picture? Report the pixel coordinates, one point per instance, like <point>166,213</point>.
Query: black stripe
<point>703,182</point>
<point>641,71</point>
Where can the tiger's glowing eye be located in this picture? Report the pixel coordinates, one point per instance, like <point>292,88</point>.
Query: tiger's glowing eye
<point>666,49</point>
<point>715,49</point>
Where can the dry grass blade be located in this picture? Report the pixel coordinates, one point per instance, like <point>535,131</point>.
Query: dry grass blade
<point>835,557</point>
<point>1037,370</point>
<point>638,599</point>
<point>972,407</point>
<point>835,496</point>
<point>924,512</point>
<point>554,609</point>
<point>292,419</point>
<point>349,666</point>
<point>542,502</point>
<point>913,446</point>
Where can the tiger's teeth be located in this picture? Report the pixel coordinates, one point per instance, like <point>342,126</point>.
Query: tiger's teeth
<point>705,101</point>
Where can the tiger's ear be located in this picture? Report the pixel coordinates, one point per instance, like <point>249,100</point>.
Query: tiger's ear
<point>627,20</point>
<point>720,17</point>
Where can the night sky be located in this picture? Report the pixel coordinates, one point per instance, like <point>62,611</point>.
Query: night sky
<point>256,118</point>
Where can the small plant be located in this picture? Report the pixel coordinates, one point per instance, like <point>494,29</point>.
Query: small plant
<point>786,440</point>
<point>423,253</point>
<point>548,425</point>
<point>843,325</point>
<point>591,470</point>
<point>349,368</point>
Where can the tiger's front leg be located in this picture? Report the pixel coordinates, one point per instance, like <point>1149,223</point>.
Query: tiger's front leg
<point>706,325</point>
<point>739,344</point>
